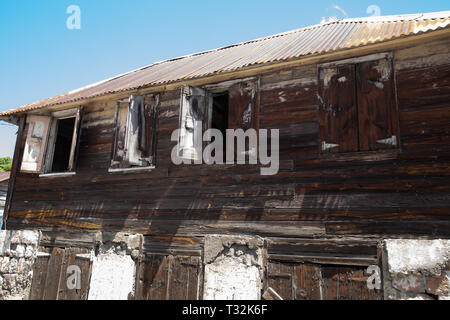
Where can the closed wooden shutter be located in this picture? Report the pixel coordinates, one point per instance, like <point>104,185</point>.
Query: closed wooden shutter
<point>338,111</point>
<point>307,281</point>
<point>35,144</point>
<point>378,128</point>
<point>161,277</point>
<point>50,274</point>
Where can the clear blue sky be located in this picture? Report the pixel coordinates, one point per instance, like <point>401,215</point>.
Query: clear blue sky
<point>40,57</point>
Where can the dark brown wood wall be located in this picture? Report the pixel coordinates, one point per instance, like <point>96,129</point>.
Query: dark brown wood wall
<point>404,191</point>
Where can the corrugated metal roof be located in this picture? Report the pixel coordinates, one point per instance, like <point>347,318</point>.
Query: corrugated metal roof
<point>313,40</point>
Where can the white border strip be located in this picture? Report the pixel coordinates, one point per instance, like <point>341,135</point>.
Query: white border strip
<point>57,174</point>
<point>124,170</point>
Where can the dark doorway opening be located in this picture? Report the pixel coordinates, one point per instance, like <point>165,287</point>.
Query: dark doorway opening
<point>63,144</point>
<point>219,120</point>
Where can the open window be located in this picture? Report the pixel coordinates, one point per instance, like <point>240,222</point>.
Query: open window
<point>134,144</point>
<point>224,106</point>
<point>358,110</point>
<point>52,142</point>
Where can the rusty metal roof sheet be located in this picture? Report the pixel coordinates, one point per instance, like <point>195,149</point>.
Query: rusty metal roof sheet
<point>313,40</point>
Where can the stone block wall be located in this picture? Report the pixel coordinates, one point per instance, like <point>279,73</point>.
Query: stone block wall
<point>17,254</point>
<point>417,269</point>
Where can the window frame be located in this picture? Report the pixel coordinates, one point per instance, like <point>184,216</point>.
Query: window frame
<point>117,126</point>
<point>51,141</point>
<point>210,91</point>
<point>389,56</point>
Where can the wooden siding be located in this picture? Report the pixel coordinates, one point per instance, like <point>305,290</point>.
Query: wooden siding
<point>3,193</point>
<point>403,191</point>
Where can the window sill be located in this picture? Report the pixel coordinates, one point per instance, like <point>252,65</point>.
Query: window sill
<point>386,154</point>
<point>57,174</point>
<point>131,170</point>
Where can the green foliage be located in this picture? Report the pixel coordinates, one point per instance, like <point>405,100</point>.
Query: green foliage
<point>5,164</point>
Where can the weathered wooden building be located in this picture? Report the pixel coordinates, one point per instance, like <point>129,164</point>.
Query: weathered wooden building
<point>363,112</point>
<point>4,180</point>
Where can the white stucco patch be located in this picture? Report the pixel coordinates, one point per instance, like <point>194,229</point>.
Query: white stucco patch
<point>233,268</point>
<point>112,277</point>
<point>229,279</point>
<point>413,256</point>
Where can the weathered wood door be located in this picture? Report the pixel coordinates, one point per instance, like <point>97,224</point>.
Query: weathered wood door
<point>61,274</point>
<point>306,281</point>
<point>168,277</point>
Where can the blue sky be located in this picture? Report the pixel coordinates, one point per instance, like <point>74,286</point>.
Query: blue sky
<point>40,57</point>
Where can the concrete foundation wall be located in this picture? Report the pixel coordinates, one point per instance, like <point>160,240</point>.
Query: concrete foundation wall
<point>417,269</point>
<point>17,254</point>
<point>233,268</point>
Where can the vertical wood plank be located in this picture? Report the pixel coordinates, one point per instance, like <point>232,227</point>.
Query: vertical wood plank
<point>52,281</point>
<point>307,282</point>
<point>178,280</point>
<point>280,278</point>
<point>330,282</point>
<point>194,280</point>
<point>158,278</point>
<point>39,276</point>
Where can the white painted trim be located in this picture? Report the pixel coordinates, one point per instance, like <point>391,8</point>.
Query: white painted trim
<point>225,85</point>
<point>68,113</point>
<point>57,174</point>
<point>124,170</point>
<point>370,57</point>
<point>43,254</point>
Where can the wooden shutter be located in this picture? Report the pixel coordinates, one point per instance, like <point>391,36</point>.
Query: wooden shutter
<point>135,135</point>
<point>36,143</point>
<point>346,283</point>
<point>50,274</point>
<point>305,281</point>
<point>378,125</point>
<point>241,105</point>
<point>148,138</point>
<point>338,111</point>
<point>75,140</point>
<point>120,127</point>
<point>192,111</point>
<point>169,278</point>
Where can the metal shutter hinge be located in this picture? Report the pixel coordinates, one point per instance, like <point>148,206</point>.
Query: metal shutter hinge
<point>392,141</point>
<point>326,146</point>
